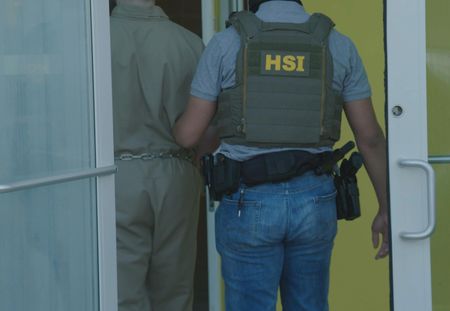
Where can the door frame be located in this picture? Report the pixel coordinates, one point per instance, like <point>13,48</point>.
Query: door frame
<point>106,212</point>
<point>412,211</point>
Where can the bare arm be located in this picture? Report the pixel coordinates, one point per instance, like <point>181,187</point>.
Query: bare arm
<point>208,143</point>
<point>372,145</point>
<point>193,123</point>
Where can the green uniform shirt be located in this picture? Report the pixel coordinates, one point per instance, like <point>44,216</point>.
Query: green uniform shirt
<point>153,62</point>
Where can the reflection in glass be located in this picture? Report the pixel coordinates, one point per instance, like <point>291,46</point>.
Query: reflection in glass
<point>45,88</point>
<point>48,248</point>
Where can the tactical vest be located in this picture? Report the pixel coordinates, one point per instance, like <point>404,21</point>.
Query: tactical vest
<point>283,94</point>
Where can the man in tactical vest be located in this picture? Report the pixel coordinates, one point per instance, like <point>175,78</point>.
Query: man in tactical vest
<point>157,186</point>
<point>275,84</point>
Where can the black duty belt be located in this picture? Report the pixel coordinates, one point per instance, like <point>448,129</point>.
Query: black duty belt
<point>279,166</point>
<point>223,175</point>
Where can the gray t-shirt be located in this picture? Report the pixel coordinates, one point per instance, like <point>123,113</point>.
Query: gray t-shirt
<point>217,67</point>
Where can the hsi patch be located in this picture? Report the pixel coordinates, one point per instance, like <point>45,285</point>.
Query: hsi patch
<point>285,63</point>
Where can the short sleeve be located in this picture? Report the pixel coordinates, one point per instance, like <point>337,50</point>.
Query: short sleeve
<point>355,84</point>
<point>206,83</point>
<point>349,77</point>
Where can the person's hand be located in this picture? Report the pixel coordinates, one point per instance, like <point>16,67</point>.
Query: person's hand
<point>380,226</point>
<point>209,143</point>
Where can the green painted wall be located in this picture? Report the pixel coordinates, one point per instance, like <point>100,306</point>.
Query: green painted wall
<point>358,282</point>
<point>438,80</point>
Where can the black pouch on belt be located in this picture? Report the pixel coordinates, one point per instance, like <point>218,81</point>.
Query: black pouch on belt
<point>276,166</point>
<point>225,175</point>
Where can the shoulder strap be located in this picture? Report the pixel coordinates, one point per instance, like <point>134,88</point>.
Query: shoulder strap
<point>321,26</point>
<point>246,23</point>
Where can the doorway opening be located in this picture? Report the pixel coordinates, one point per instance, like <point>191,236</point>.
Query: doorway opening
<point>187,13</point>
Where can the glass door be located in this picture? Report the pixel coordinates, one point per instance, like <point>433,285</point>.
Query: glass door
<point>419,152</point>
<point>56,162</point>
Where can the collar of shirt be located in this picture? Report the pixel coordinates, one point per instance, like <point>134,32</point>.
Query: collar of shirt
<point>136,12</point>
<point>282,11</point>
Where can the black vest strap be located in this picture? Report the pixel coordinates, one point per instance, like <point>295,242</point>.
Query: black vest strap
<point>321,26</point>
<point>246,24</point>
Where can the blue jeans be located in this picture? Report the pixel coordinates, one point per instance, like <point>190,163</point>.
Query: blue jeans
<point>274,236</point>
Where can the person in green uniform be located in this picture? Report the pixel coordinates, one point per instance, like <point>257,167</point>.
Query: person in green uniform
<point>157,186</point>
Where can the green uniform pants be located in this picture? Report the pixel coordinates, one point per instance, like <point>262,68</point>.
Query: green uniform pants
<point>157,204</point>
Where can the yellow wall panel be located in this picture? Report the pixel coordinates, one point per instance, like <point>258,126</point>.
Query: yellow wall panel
<point>358,282</point>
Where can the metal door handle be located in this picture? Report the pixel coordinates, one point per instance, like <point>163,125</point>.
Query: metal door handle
<point>45,181</point>
<point>441,159</point>
<point>431,200</point>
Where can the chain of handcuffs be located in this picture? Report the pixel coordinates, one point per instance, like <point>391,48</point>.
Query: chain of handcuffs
<point>157,155</point>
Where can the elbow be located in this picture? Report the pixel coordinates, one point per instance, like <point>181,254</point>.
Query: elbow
<point>183,139</point>
<point>372,141</point>
<point>185,143</point>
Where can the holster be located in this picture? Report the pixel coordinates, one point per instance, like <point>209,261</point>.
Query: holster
<point>347,199</point>
<point>222,175</point>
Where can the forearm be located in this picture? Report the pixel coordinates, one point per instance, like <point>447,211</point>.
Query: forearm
<point>209,142</point>
<point>185,136</point>
<point>193,123</point>
<point>373,150</point>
